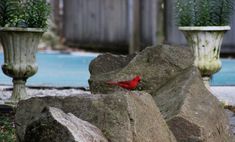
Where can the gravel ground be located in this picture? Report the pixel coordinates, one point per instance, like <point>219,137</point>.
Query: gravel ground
<point>5,92</point>
<point>225,94</point>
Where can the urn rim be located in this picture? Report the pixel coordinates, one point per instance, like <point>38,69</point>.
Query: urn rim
<point>204,28</point>
<point>16,29</point>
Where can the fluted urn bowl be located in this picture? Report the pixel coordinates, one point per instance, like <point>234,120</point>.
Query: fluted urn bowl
<point>206,42</point>
<point>20,47</point>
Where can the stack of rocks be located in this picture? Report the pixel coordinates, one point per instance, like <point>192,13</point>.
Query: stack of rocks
<point>170,104</point>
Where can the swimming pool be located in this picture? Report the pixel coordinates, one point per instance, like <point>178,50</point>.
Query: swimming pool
<point>226,76</point>
<point>71,70</point>
<point>56,69</point>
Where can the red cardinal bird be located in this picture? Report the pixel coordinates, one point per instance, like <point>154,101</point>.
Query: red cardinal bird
<point>130,84</point>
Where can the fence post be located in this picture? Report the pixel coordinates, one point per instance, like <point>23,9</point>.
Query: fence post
<point>172,34</point>
<point>155,10</point>
<point>56,15</point>
<point>134,25</point>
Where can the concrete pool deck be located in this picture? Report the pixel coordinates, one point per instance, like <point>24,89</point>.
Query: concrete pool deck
<point>224,93</point>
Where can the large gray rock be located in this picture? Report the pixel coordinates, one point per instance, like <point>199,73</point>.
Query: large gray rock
<point>109,62</point>
<point>191,111</point>
<point>121,116</point>
<point>155,65</point>
<point>54,125</point>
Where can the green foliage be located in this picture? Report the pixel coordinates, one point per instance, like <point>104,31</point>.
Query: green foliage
<point>9,12</point>
<point>203,12</point>
<point>37,12</point>
<point>30,13</point>
<point>7,131</point>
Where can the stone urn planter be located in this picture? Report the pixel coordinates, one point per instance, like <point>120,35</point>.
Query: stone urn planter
<point>205,42</point>
<point>20,46</point>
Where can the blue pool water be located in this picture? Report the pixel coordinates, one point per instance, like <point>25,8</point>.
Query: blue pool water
<point>226,76</point>
<point>57,69</point>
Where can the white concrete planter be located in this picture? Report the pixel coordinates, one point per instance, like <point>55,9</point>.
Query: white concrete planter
<point>20,47</point>
<point>206,44</point>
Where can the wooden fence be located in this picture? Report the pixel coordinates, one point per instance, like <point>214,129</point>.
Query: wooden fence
<point>119,24</point>
<point>112,24</point>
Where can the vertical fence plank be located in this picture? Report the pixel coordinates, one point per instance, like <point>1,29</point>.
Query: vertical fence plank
<point>134,25</point>
<point>56,15</point>
<point>172,34</point>
<point>154,21</point>
<point>146,20</point>
<point>229,42</point>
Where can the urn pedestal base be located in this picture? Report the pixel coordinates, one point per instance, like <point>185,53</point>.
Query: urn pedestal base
<point>19,90</point>
<point>206,80</point>
<point>18,93</point>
